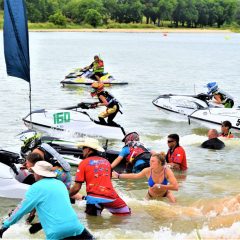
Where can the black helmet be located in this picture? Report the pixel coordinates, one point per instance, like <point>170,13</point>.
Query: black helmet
<point>132,136</point>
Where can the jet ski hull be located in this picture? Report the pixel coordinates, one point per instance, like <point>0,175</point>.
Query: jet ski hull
<point>191,108</point>
<point>76,123</point>
<point>84,78</point>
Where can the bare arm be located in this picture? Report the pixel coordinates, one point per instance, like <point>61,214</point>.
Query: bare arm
<point>139,175</point>
<point>75,189</point>
<point>217,99</point>
<point>116,161</point>
<point>104,101</point>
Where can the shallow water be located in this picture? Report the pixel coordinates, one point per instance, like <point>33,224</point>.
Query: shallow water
<point>153,65</point>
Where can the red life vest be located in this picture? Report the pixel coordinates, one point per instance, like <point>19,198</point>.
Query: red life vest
<point>136,149</point>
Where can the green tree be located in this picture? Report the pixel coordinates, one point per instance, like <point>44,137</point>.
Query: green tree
<point>203,12</point>
<point>129,11</point>
<point>58,19</point>
<point>77,9</point>
<point>150,9</point>
<point>93,17</point>
<point>190,13</point>
<point>165,10</point>
<point>178,13</point>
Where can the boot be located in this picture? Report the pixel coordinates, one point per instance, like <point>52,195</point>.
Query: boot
<point>102,121</point>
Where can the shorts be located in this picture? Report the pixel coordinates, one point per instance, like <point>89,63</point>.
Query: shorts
<point>117,207</point>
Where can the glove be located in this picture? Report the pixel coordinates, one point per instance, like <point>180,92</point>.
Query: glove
<point>35,227</point>
<point>2,230</point>
<point>94,105</point>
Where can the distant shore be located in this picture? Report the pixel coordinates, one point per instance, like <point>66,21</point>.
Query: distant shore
<point>164,30</point>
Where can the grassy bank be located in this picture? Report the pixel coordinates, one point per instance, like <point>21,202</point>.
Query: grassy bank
<point>131,27</point>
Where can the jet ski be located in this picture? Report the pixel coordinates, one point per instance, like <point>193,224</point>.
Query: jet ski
<point>72,120</point>
<point>197,108</point>
<point>10,187</point>
<point>84,77</point>
<point>68,149</point>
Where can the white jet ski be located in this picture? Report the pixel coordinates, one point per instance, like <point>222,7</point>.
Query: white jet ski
<point>81,78</point>
<point>72,120</point>
<point>197,108</point>
<point>10,187</point>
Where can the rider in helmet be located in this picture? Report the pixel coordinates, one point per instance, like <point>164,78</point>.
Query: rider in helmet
<point>98,68</point>
<point>105,99</point>
<point>32,143</point>
<point>137,156</point>
<point>220,96</point>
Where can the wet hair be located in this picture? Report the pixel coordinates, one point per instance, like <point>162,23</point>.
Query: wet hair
<point>227,124</point>
<point>161,157</point>
<point>34,157</point>
<point>174,136</point>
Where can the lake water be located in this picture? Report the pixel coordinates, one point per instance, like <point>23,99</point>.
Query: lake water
<point>207,201</point>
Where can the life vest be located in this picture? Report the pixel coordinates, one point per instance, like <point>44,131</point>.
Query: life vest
<point>110,99</point>
<point>223,96</point>
<point>229,135</point>
<point>136,150</point>
<point>48,150</point>
<point>98,67</point>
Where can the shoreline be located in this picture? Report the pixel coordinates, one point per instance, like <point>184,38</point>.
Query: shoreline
<point>113,30</point>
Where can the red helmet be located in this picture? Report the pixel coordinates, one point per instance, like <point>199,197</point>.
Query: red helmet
<point>132,136</point>
<point>97,87</point>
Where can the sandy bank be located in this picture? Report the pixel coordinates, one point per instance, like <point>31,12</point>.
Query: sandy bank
<point>167,30</point>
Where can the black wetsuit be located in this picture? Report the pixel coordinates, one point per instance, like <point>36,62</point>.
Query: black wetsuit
<point>213,143</point>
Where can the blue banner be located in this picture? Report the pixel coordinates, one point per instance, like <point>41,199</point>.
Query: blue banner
<point>16,43</point>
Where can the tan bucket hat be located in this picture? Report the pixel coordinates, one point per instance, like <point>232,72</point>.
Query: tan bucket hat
<point>44,169</point>
<point>91,143</point>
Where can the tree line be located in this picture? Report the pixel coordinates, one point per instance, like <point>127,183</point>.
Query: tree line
<point>184,13</point>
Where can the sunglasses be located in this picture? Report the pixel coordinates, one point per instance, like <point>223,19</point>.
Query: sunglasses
<point>170,141</point>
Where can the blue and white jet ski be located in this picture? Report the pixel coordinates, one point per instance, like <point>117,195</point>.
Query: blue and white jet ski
<point>197,108</point>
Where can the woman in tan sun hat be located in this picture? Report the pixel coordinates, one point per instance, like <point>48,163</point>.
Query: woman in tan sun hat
<point>50,198</point>
<point>96,172</point>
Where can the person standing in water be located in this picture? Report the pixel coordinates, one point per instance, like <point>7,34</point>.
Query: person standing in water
<point>176,156</point>
<point>136,154</point>
<point>213,142</point>
<point>225,130</point>
<point>161,179</point>
<point>96,172</point>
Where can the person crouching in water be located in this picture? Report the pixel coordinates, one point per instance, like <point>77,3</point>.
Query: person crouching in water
<point>96,172</point>
<point>160,178</point>
<point>105,99</point>
<point>226,126</point>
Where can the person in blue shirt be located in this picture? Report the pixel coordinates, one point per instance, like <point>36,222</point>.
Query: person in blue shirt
<point>137,156</point>
<point>50,198</point>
